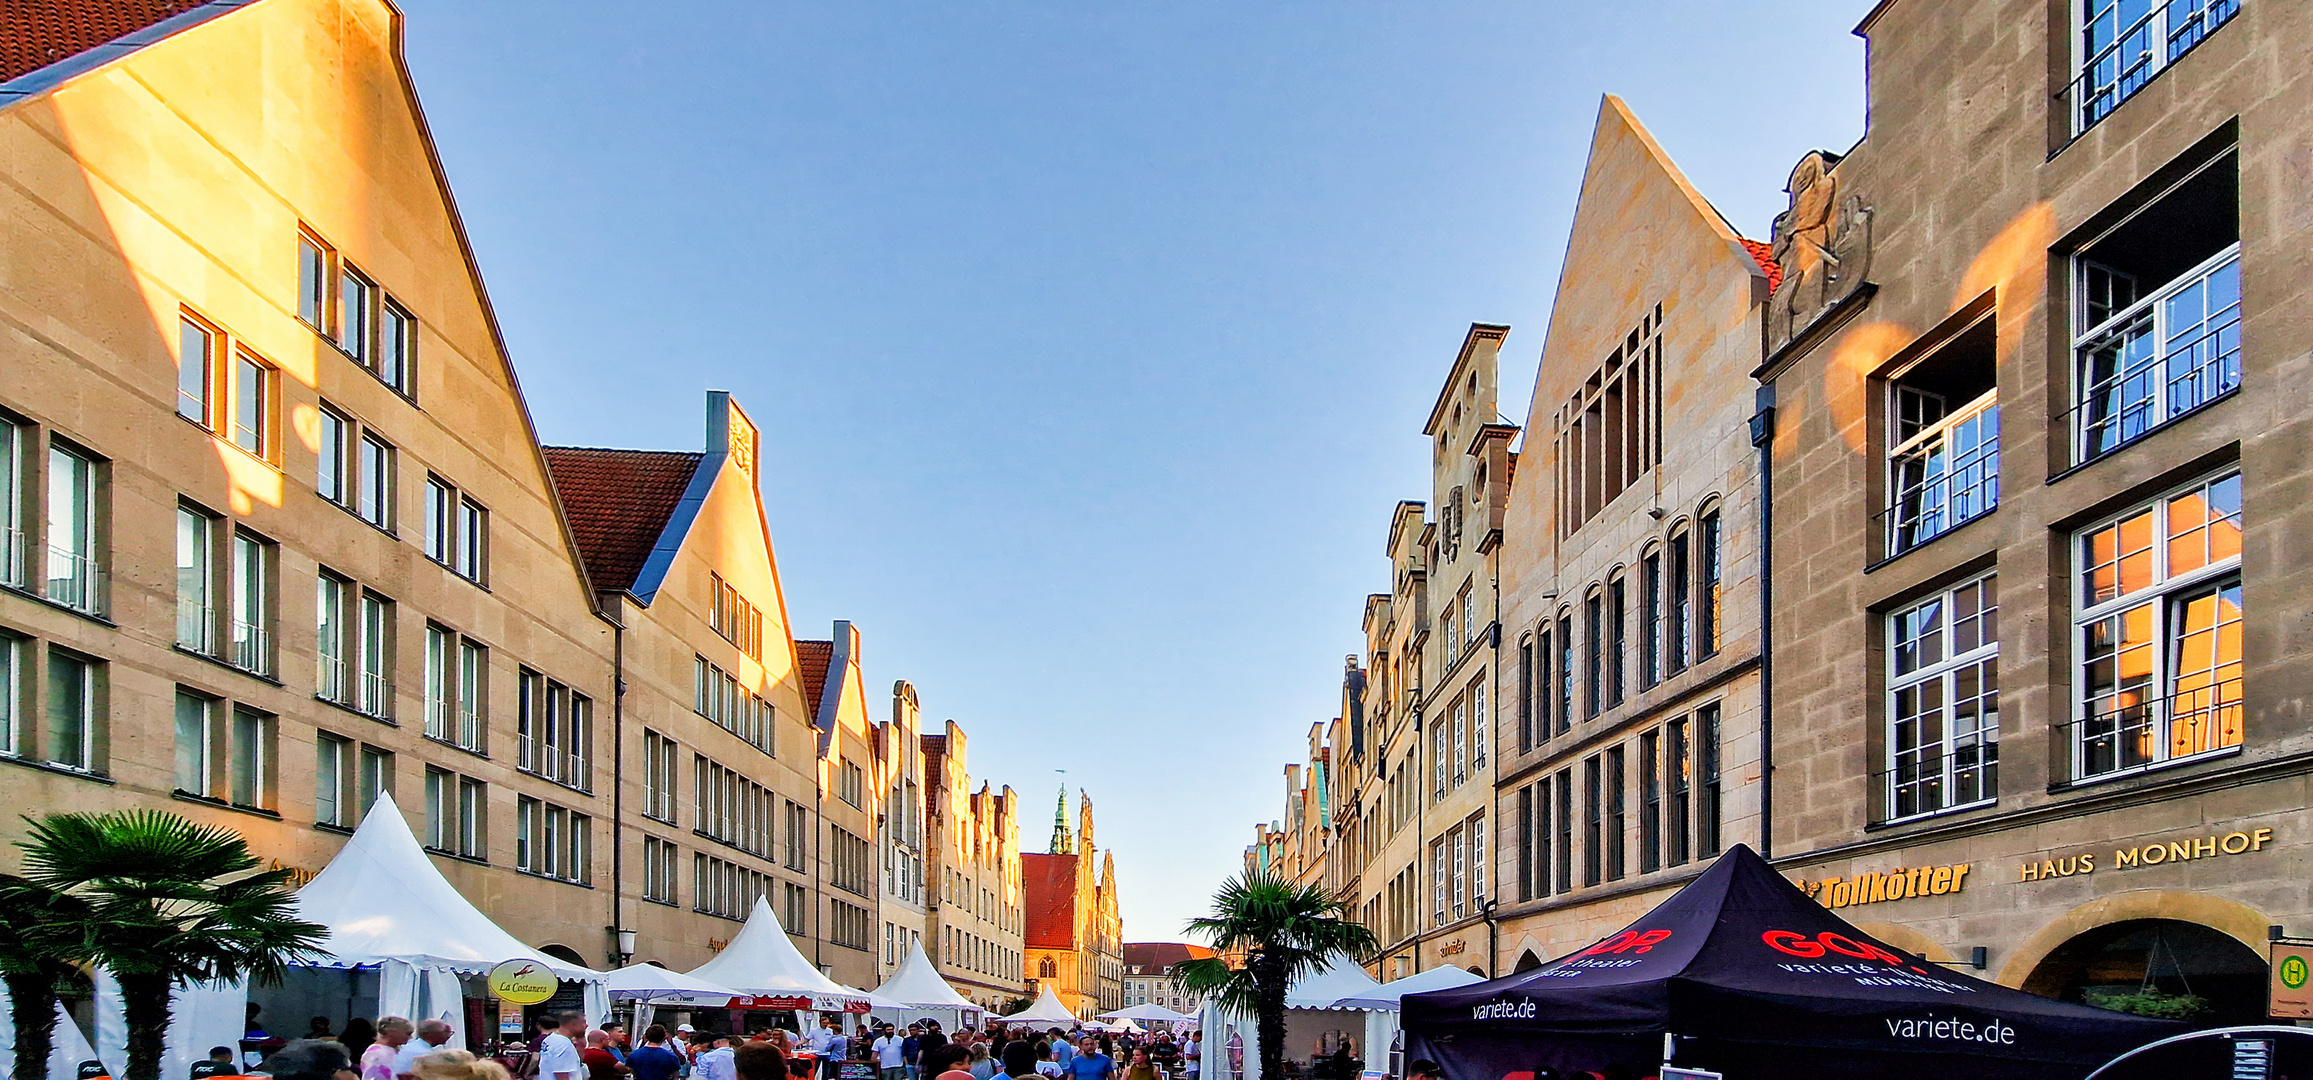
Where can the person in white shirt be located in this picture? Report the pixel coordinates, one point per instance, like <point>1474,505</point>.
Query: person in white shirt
<point>1192,1051</point>
<point>716,1064</point>
<point>432,1034</point>
<point>558,1051</point>
<point>829,1045</point>
<point>891,1054</point>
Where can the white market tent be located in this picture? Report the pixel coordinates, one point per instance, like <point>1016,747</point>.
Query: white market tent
<point>916,984</point>
<point>389,910</point>
<point>1048,1012</point>
<point>1151,1012</point>
<point>762,961</point>
<point>655,985</point>
<point>1381,1026</point>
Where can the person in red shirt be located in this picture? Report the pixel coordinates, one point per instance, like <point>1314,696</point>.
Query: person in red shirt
<point>600,1063</point>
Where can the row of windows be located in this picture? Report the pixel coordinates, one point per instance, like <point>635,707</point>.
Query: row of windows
<point>1458,871</point>
<point>849,925</point>
<point>1680,619</point>
<point>723,888</point>
<point>224,751</point>
<point>552,841</point>
<point>1679,799</point>
<point>717,695</point>
<point>1458,740</point>
<point>731,808</point>
<point>348,308</point>
<point>898,941</point>
<point>850,868</point>
<point>730,615</point>
<point>975,953</point>
<point>68,527</point>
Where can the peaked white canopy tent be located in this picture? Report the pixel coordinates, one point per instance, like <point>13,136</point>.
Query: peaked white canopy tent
<point>1047,1012</point>
<point>762,961</point>
<point>651,984</point>
<point>401,933</point>
<point>1321,1006</point>
<point>1149,1013</point>
<point>917,986</point>
<point>1381,1026</point>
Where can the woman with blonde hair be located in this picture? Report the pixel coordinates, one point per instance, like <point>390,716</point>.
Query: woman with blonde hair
<point>455,1065</point>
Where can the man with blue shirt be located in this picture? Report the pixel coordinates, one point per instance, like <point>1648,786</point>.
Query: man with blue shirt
<point>1089,1063</point>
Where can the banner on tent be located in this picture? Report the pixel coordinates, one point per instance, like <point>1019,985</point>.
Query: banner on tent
<point>798,1003</point>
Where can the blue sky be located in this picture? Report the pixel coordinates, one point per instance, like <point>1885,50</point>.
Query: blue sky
<point>1091,342</point>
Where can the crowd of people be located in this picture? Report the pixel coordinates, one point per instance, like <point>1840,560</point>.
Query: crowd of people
<point>565,1048</point>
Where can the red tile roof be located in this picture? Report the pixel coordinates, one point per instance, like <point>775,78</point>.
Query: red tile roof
<point>814,656</point>
<point>1048,889</point>
<point>618,502</point>
<point>1766,256</point>
<point>1157,957</point>
<point>37,33</point>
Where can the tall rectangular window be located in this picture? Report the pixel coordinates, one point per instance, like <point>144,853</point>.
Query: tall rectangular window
<point>1440,757</point>
<point>1458,858</point>
<point>473,819</point>
<point>73,717</point>
<point>1650,619</point>
<point>659,862</point>
<point>473,540</point>
<point>375,502</point>
<point>355,328</point>
<point>253,408</point>
<point>2158,631</point>
<point>1943,739</point>
<point>473,693</point>
<point>397,348</point>
<point>1678,768</point>
<point>440,646</point>
<point>12,555</point>
<point>196,371</point>
<point>252,604</point>
<point>1476,831</point>
<point>1707,583</point>
<point>195,716</point>
<point>1545,839</point>
<point>1545,684</point>
<point>2124,43</point>
<point>375,686</point>
<point>1439,882</point>
<point>376,778</point>
<point>1526,840</point>
<point>1593,822</point>
<point>1565,829</point>
<point>75,575</point>
<point>1617,629</point>
<point>1525,695</point>
<point>1681,597</point>
<point>1707,804</point>
<point>1566,651</point>
<point>1943,434</point>
<point>249,769</point>
<point>1594,654</point>
<point>313,274</point>
<point>11,694</point>
<point>441,809</point>
<point>331,639</point>
<point>332,767</point>
<point>196,581</point>
<point>1616,864</point>
<point>1650,802</point>
<point>329,480</point>
<point>1459,710</point>
<point>441,520</point>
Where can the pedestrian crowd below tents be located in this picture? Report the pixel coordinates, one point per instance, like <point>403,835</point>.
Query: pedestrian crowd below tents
<point>564,1048</point>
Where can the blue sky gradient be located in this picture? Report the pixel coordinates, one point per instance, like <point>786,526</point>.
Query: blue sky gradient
<point>1091,342</point>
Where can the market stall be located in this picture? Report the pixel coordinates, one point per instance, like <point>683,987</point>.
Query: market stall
<point>770,976</point>
<point>1382,1035</point>
<point>1047,1013</point>
<point>1750,978</point>
<point>403,942</point>
<point>917,986</point>
<point>1322,1013</point>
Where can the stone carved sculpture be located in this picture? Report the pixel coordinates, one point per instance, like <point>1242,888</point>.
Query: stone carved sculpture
<point>1823,243</point>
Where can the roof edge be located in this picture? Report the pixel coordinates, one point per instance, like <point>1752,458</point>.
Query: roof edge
<point>42,80</point>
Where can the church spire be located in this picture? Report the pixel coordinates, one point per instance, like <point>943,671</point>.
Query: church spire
<point>1063,842</point>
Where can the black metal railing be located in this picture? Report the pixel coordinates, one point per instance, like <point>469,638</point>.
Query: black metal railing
<point>2125,730</point>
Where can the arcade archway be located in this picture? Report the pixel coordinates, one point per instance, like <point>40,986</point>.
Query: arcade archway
<point>2144,965</point>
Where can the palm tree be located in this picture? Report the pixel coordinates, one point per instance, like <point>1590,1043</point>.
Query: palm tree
<point>158,899</point>
<point>1286,932</point>
<point>32,967</point>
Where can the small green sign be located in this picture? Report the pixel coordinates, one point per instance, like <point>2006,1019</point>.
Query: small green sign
<point>2293,972</point>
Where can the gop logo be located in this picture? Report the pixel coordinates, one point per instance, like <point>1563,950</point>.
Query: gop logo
<point>1628,941</point>
<point>1813,948</point>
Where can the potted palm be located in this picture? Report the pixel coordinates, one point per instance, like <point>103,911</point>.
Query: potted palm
<point>155,900</point>
<point>1286,932</point>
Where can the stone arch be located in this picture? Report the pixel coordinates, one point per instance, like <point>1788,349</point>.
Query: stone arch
<point>2238,921</point>
<point>1907,939</point>
<point>564,953</point>
<point>1527,961</point>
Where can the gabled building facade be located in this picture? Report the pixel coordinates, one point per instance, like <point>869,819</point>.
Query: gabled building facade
<point>1073,933</point>
<point>900,810</point>
<point>976,906</point>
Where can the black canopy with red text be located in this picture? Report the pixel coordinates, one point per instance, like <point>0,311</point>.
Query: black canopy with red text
<point>1757,980</point>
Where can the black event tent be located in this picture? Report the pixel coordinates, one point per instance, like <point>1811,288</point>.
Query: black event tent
<point>1758,981</point>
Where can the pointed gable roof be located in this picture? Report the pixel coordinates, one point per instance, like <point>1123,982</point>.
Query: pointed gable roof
<point>619,503</point>
<point>811,661</point>
<point>75,36</point>
<point>1048,890</point>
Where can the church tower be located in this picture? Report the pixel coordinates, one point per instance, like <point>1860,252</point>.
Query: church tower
<point>1063,843</point>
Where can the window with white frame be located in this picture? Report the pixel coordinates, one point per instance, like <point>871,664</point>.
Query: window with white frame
<point>555,731</point>
<point>659,777</point>
<point>374,777</point>
<point>2157,312</point>
<point>197,352</point>
<point>2124,43</point>
<point>333,638</point>
<point>196,719</point>
<point>14,437</point>
<point>335,436</point>
<point>457,529</point>
<point>553,841</point>
<point>374,499</point>
<point>1943,710</point>
<point>473,818</point>
<point>75,566</point>
<point>374,675</point>
<point>11,693</point>
<point>196,580</point>
<point>332,774</point>
<point>1943,434</point>
<point>455,689</point>
<point>252,612</point>
<point>2158,632</point>
<point>255,390</point>
<point>659,863</point>
<point>75,719</point>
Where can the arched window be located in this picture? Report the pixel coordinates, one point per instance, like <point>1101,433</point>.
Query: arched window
<point>1046,969</point>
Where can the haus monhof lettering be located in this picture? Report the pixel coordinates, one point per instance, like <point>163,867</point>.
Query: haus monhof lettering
<point>2215,845</point>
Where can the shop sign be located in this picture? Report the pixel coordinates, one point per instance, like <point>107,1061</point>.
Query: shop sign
<point>1452,948</point>
<point>2214,845</point>
<point>524,982</point>
<point>1898,884</point>
<point>2291,970</point>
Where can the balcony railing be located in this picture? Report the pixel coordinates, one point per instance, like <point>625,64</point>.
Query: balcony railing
<point>12,551</point>
<point>196,626</point>
<point>469,727</point>
<point>2162,357</point>
<point>2126,731</point>
<point>437,718</point>
<point>377,695</point>
<point>252,648</point>
<point>1940,780</point>
<point>2123,65</point>
<point>75,580</point>
<point>330,680</point>
<point>1944,476</point>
